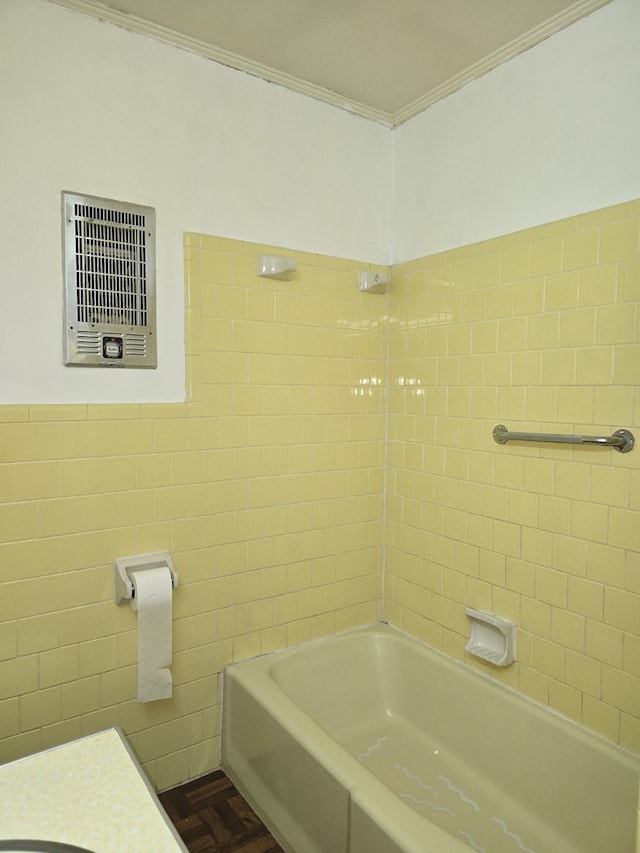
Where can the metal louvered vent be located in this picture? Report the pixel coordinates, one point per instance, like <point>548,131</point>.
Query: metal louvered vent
<point>109,265</point>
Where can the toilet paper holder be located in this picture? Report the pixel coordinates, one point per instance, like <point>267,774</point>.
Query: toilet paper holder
<point>123,585</point>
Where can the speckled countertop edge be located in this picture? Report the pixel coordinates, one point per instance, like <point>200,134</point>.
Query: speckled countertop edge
<point>90,792</point>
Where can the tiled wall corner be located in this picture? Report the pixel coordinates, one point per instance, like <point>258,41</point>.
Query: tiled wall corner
<point>267,486</point>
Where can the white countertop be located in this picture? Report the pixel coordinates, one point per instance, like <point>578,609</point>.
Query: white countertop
<point>90,793</point>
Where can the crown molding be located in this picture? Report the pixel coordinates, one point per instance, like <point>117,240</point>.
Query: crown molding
<point>101,12</point>
<point>526,41</point>
<point>96,10</point>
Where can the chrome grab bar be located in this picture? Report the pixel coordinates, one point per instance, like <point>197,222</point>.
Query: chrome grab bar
<point>622,439</point>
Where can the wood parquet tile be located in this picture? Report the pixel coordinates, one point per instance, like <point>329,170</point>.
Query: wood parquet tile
<point>211,817</point>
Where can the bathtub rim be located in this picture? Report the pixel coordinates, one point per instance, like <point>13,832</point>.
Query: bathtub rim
<point>485,674</point>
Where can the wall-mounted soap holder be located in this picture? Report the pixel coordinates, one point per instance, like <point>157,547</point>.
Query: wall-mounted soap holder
<point>493,638</point>
<point>122,583</point>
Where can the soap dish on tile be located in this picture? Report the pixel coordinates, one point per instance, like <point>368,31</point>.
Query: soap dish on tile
<point>493,638</point>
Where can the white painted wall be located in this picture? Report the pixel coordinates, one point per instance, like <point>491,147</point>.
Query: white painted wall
<point>92,108</point>
<point>552,133</point>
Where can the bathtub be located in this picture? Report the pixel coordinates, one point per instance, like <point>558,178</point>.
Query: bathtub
<point>371,742</point>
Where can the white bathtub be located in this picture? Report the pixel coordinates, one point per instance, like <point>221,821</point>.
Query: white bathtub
<point>370,742</point>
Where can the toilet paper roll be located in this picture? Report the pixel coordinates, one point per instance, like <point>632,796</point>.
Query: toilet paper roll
<point>152,601</point>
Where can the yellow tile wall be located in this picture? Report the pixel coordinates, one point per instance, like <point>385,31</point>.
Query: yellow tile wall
<point>266,487</point>
<point>538,330</point>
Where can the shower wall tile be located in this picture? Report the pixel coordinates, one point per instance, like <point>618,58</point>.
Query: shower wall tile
<point>546,535</point>
<point>265,485</point>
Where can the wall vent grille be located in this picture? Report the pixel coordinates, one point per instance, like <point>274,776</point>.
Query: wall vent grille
<point>109,251</point>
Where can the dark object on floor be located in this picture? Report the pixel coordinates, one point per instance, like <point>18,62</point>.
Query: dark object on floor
<point>212,817</point>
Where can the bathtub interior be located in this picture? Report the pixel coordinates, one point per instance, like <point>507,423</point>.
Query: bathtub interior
<point>477,760</point>
<point>304,786</point>
<point>455,744</point>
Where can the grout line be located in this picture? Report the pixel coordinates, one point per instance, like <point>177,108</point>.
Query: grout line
<point>385,467</point>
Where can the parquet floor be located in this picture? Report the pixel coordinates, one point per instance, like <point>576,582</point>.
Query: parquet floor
<point>212,817</point>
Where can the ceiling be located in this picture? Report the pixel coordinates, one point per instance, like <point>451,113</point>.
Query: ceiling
<point>387,60</point>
